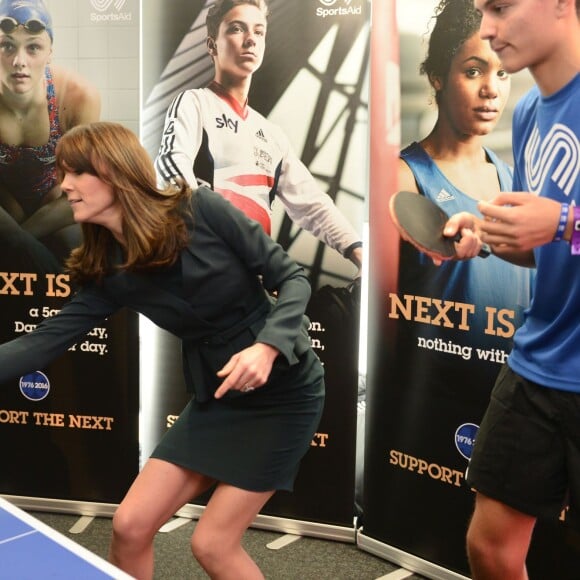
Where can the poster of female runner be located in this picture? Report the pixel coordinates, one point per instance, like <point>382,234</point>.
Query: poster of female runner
<point>286,143</point>
<point>63,63</point>
<point>442,332</point>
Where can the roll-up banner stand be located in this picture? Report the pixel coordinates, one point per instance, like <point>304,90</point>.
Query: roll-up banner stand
<point>69,432</point>
<point>434,355</point>
<point>312,84</point>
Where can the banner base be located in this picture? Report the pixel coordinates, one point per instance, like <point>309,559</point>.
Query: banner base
<point>192,511</point>
<point>62,506</point>
<point>287,526</point>
<point>405,560</point>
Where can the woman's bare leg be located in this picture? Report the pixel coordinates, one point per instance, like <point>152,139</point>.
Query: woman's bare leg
<point>216,540</point>
<point>159,490</point>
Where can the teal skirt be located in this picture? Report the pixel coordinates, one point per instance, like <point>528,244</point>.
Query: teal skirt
<point>253,441</point>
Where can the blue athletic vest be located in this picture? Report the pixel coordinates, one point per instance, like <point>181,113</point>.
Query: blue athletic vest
<point>493,286</point>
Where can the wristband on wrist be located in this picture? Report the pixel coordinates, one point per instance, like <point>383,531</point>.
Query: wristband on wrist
<point>564,211</point>
<point>575,239</point>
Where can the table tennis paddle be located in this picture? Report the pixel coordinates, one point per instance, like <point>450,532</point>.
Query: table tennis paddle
<point>420,221</point>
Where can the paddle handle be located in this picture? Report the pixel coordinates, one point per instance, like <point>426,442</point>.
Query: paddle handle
<point>485,248</point>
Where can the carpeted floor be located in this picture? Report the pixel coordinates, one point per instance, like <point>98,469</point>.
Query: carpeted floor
<point>304,559</point>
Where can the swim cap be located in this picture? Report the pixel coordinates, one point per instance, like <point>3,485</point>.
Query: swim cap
<point>24,11</point>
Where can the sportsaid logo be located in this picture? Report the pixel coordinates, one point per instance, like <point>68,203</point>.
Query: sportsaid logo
<point>102,5</point>
<point>110,11</point>
<point>338,8</point>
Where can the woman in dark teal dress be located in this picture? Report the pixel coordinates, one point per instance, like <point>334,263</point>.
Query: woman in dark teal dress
<point>197,267</point>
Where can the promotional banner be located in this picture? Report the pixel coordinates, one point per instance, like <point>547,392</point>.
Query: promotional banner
<point>442,333</point>
<point>312,85</point>
<point>68,431</point>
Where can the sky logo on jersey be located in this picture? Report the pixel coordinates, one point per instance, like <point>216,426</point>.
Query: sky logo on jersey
<point>35,386</point>
<point>225,122</point>
<point>465,438</point>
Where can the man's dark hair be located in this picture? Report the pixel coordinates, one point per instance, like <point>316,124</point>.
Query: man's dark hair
<point>220,8</point>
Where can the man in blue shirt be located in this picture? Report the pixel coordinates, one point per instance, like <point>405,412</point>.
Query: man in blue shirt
<point>526,459</point>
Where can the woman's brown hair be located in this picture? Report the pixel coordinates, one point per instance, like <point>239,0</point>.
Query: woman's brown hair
<point>153,219</point>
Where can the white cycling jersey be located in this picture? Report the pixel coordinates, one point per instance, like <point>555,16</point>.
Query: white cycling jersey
<point>210,139</point>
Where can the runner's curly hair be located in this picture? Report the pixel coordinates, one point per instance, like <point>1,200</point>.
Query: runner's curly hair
<point>455,22</point>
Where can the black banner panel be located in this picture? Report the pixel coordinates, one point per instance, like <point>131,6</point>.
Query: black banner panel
<point>68,431</point>
<point>316,93</point>
<point>438,334</point>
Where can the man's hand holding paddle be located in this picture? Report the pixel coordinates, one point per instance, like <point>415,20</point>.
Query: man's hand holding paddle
<point>520,221</point>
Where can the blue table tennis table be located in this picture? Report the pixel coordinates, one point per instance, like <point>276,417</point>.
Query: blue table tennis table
<point>31,550</point>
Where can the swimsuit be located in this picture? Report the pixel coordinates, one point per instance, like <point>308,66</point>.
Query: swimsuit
<point>29,173</point>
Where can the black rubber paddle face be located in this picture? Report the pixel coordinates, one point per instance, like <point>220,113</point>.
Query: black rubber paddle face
<point>422,221</point>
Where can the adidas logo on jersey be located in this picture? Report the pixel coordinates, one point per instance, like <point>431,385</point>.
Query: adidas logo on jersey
<point>444,196</point>
<point>260,135</point>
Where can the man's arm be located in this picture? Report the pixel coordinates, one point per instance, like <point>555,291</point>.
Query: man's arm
<point>473,237</point>
<point>314,210</point>
<point>180,142</point>
<point>519,221</point>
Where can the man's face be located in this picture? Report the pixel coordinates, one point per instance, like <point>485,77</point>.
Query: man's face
<point>523,33</point>
<point>240,42</point>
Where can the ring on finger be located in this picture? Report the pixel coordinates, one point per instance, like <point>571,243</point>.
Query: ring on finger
<point>246,388</point>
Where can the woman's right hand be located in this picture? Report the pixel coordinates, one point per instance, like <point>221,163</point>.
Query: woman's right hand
<point>247,370</point>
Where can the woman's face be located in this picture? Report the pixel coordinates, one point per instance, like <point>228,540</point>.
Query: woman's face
<point>91,200</point>
<point>474,94</point>
<point>23,58</point>
<point>239,47</point>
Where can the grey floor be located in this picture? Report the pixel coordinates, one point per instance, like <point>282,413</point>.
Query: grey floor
<point>304,559</point>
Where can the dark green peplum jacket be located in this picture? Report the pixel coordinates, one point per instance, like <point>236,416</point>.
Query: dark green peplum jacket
<point>219,303</point>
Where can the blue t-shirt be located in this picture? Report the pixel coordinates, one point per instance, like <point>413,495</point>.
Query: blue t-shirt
<point>547,162</point>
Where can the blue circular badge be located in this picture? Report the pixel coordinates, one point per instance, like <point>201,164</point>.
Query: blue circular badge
<point>34,386</point>
<point>465,438</point>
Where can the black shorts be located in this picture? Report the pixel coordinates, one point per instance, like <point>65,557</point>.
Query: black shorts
<point>527,450</point>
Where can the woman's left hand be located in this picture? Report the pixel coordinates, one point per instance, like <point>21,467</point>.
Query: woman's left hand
<point>247,369</point>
